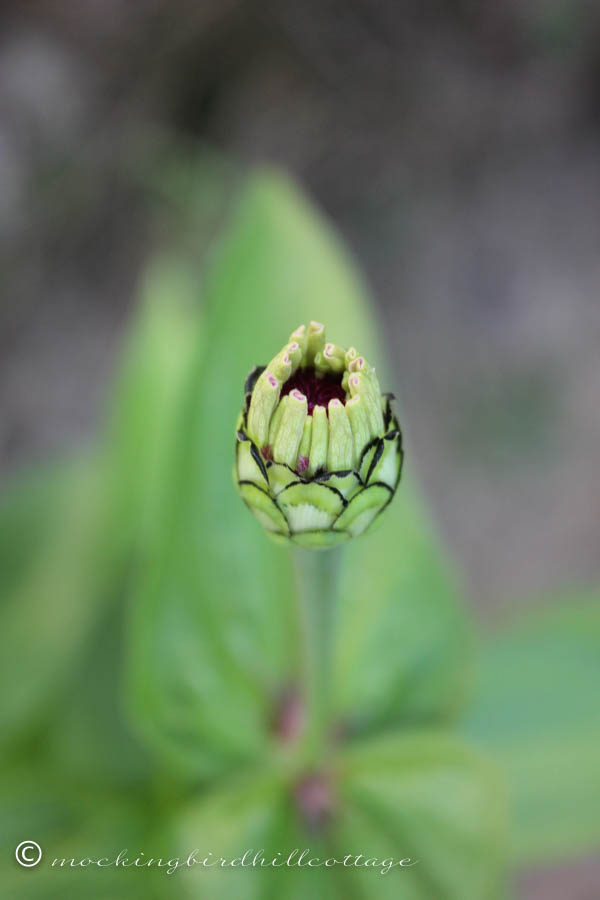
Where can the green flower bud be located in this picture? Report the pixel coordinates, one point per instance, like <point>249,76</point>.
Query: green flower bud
<point>319,449</point>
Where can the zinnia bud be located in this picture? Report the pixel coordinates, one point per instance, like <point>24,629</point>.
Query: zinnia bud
<point>319,449</point>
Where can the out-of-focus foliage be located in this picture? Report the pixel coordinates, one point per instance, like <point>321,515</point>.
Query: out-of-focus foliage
<point>403,656</point>
<point>55,584</point>
<point>150,630</point>
<point>536,712</point>
<point>420,791</point>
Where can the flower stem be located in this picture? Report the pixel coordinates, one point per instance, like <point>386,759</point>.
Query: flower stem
<point>317,580</point>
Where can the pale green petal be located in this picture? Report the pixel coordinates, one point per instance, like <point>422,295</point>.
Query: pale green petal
<point>291,427</point>
<point>340,455</point>
<point>362,510</point>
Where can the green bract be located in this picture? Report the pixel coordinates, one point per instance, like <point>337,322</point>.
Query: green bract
<point>319,449</point>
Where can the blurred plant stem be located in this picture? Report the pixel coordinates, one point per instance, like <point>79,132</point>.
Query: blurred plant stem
<point>317,579</point>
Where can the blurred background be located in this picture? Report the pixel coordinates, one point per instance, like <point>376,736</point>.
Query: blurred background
<point>455,145</point>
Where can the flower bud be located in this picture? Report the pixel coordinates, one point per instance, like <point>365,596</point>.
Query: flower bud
<point>319,449</point>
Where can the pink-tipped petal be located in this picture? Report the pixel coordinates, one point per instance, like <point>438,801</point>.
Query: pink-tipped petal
<point>302,464</point>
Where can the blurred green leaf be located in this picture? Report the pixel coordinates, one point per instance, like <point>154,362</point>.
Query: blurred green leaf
<point>144,417</point>
<point>68,821</point>
<point>89,736</point>
<point>68,536</point>
<point>402,641</point>
<point>53,595</point>
<point>252,813</point>
<point>537,713</point>
<point>425,797</point>
<point>225,822</point>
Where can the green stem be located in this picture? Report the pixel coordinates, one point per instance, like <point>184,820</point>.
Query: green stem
<point>317,580</point>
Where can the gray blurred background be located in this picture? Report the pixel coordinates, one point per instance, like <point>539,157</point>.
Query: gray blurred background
<point>455,144</point>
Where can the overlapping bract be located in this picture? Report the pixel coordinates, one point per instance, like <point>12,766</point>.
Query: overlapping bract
<point>319,449</point>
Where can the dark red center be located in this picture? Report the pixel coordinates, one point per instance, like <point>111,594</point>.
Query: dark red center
<point>318,391</point>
